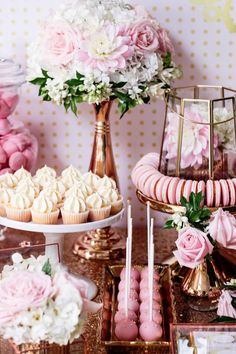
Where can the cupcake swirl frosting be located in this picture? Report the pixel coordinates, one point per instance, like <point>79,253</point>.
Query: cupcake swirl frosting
<point>71,171</point>
<point>51,194</point>
<point>85,189</point>
<point>20,201</point>
<point>30,183</point>
<point>74,191</point>
<point>9,180</point>
<point>106,182</point>
<point>27,190</point>
<point>22,173</point>
<point>56,185</point>
<point>5,195</point>
<point>43,204</point>
<point>94,201</point>
<point>74,204</point>
<point>46,171</point>
<point>109,195</point>
<point>91,179</point>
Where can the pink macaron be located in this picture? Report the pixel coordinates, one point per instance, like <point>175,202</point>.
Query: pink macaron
<point>159,187</point>
<point>224,192</point>
<point>217,189</point>
<point>201,187</point>
<point>153,185</point>
<point>165,189</point>
<point>172,190</point>
<point>137,173</point>
<point>142,180</point>
<point>147,185</point>
<point>231,192</point>
<point>194,187</point>
<point>179,190</point>
<point>187,189</point>
<point>209,193</point>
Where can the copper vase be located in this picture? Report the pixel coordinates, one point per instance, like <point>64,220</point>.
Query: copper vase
<point>101,244</point>
<point>202,284</point>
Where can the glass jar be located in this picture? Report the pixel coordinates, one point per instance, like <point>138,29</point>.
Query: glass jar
<point>18,147</point>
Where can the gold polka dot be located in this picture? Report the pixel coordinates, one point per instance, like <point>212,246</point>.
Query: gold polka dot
<point>54,134</point>
<point>141,144</point>
<point>192,77</point>
<point>41,124</point>
<point>43,156</point>
<point>154,122</point>
<point>141,122</point>
<point>42,146</point>
<point>129,133</point>
<point>129,144</point>
<point>141,133</point>
<point>193,19</point>
<point>54,146</point>
<point>129,122</point>
<point>154,8</point>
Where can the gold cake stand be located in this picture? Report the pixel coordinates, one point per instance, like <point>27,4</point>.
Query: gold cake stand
<point>171,209</point>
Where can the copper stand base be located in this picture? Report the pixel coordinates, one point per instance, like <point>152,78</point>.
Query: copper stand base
<point>100,244</point>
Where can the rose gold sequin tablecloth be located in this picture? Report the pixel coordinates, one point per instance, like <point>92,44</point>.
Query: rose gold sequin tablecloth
<point>164,244</point>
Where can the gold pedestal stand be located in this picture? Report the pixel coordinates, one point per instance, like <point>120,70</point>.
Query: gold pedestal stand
<point>102,244</point>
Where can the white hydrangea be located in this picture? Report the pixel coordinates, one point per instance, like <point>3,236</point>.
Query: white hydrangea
<point>180,221</point>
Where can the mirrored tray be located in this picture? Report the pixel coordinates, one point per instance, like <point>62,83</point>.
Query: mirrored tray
<point>107,330</point>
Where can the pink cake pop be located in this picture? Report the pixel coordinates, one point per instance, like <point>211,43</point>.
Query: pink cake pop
<point>144,294</point>
<point>134,274</point>
<point>133,295</point>
<point>134,284</point>
<point>17,160</point>
<point>156,316</point>
<point>126,330</point>
<point>133,305</point>
<point>150,331</point>
<point>144,283</point>
<point>121,316</point>
<point>9,147</point>
<point>144,274</point>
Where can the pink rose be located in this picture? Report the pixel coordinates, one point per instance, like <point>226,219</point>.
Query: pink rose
<point>225,307</point>
<point>222,228</point>
<point>193,246</point>
<point>22,290</point>
<point>144,37</point>
<point>165,44</point>
<point>60,42</point>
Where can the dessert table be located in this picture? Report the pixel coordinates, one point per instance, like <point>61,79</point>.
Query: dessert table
<point>164,240</point>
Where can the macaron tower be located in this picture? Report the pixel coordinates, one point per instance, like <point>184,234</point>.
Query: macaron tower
<point>138,315</point>
<point>169,190</point>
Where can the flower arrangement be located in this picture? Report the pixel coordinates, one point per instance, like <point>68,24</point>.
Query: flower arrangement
<point>93,51</point>
<point>227,303</point>
<point>200,231</point>
<point>41,301</point>
<point>196,136</point>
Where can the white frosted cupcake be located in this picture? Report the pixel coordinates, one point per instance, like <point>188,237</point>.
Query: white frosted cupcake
<point>44,180</point>
<point>22,173</point>
<point>85,189</point>
<point>70,180</point>
<point>44,211</point>
<point>71,171</point>
<point>29,182</point>
<point>112,197</point>
<point>52,194</point>
<point>97,209</point>
<point>19,207</point>
<point>56,185</point>
<point>8,180</point>
<point>5,197</point>
<point>91,179</point>
<point>46,171</point>
<point>74,191</point>
<point>106,182</point>
<point>74,211</point>
<point>28,190</point>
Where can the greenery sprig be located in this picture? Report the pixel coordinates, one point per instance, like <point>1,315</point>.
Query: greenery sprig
<point>47,268</point>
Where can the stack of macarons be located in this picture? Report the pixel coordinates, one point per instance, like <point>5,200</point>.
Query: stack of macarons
<point>169,190</point>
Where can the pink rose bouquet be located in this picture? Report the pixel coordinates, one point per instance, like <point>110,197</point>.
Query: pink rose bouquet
<point>40,301</point>
<point>193,246</point>
<point>222,228</point>
<point>93,51</point>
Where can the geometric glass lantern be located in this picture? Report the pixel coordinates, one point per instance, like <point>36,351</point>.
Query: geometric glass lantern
<point>199,136</point>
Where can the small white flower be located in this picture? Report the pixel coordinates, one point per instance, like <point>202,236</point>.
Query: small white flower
<point>17,258</point>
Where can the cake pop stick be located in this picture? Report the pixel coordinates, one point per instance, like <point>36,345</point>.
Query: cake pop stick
<point>126,277</point>
<point>151,280</point>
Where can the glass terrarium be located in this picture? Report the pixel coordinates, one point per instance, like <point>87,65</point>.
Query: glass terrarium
<point>18,147</point>
<point>199,137</point>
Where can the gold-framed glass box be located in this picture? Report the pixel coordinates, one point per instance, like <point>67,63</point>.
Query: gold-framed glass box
<point>199,135</point>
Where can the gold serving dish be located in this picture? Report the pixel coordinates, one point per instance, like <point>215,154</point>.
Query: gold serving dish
<point>107,330</point>
<point>171,209</point>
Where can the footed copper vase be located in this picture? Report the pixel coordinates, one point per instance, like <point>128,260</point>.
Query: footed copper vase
<point>202,284</point>
<point>101,244</point>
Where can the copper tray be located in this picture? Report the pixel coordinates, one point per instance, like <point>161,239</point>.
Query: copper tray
<point>107,330</point>
<point>171,209</point>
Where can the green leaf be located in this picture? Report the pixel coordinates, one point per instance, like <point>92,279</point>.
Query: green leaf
<point>167,60</point>
<point>194,216</point>
<point>183,201</point>
<point>226,319</point>
<point>199,198</point>
<point>66,105</point>
<point>47,268</point>
<point>79,76</point>
<point>122,96</point>
<point>45,73</point>
<point>192,200</point>
<point>39,81</point>
<point>118,84</point>
<point>123,107</point>
<point>73,82</point>
<point>168,224</point>
<point>146,100</point>
<point>73,105</point>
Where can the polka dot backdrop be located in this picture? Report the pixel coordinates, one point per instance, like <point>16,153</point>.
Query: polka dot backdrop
<point>204,34</point>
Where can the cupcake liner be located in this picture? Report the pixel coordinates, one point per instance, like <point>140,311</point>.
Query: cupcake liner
<point>45,218</point>
<point>2,210</point>
<point>117,206</point>
<point>74,218</point>
<point>99,214</point>
<point>23,215</point>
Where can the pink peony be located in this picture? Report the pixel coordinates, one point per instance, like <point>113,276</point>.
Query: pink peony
<point>22,290</point>
<point>60,43</point>
<point>195,145</point>
<point>144,37</point>
<point>225,307</point>
<point>193,246</point>
<point>222,228</point>
<point>106,50</point>
<point>165,44</point>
